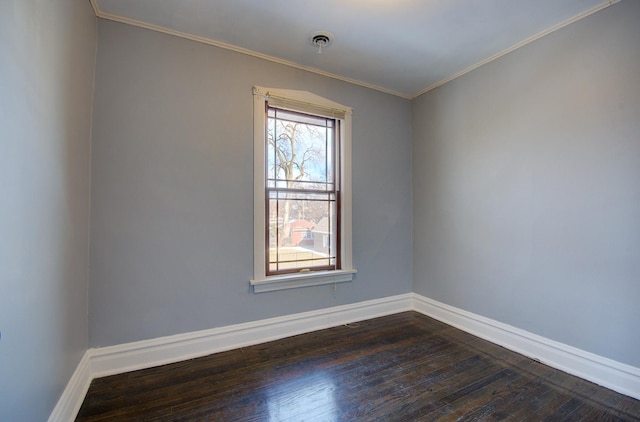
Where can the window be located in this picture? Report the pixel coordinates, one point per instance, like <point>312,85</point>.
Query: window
<point>301,191</point>
<point>302,199</point>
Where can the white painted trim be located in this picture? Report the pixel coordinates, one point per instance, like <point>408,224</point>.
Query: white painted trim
<point>608,373</point>
<point>73,395</point>
<point>149,353</point>
<point>516,46</point>
<point>104,361</point>
<point>292,281</point>
<point>259,122</point>
<point>133,22</point>
<point>96,7</point>
<point>116,18</point>
<point>302,99</point>
<point>118,359</point>
<point>346,193</point>
<point>261,282</point>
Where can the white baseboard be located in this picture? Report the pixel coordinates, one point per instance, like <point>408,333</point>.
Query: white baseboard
<point>127,357</point>
<point>73,395</point>
<point>608,373</point>
<point>148,353</point>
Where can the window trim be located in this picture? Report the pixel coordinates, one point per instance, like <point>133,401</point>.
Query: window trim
<point>305,102</point>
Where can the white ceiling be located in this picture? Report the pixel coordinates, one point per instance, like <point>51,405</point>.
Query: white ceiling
<point>404,47</point>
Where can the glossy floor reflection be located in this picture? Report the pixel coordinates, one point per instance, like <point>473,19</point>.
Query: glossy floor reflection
<point>403,367</point>
<point>310,396</point>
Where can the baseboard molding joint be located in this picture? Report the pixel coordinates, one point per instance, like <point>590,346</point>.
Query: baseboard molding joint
<point>73,395</point>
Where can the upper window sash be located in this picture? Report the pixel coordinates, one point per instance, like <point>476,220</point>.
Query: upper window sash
<point>325,180</point>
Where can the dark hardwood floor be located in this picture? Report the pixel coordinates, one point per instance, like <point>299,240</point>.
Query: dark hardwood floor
<point>403,367</point>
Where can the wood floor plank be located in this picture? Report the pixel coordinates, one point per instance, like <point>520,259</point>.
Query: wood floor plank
<point>403,367</point>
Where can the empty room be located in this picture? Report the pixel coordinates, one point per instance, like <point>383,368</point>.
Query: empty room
<point>285,211</point>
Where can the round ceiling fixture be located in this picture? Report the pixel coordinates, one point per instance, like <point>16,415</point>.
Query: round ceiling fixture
<point>321,39</point>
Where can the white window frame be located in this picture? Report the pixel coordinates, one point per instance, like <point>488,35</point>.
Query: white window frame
<point>305,102</point>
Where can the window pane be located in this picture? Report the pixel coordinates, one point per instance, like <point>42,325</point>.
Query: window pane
<point>300,150</point>
<point>271,152</point>
<point>330,158</point>
<point>301,230</point>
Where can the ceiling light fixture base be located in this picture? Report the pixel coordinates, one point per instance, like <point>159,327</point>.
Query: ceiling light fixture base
<point>321,39</point>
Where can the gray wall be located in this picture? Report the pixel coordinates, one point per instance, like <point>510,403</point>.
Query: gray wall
<point>172,199</point>
<point>47,56</point>
<point>527,187</point>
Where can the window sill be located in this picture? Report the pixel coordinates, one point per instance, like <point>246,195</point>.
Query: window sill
<point>293,281</point>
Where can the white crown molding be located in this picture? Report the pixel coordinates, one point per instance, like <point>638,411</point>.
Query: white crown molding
<point>237,49</point>
<point>117,18</point>
<point>516,46</point>
<point>96,8</point>
<point>112,360</point>
<point>624,379</point>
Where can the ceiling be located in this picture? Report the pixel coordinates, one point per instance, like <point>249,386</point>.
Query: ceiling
<point>403,47</point>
